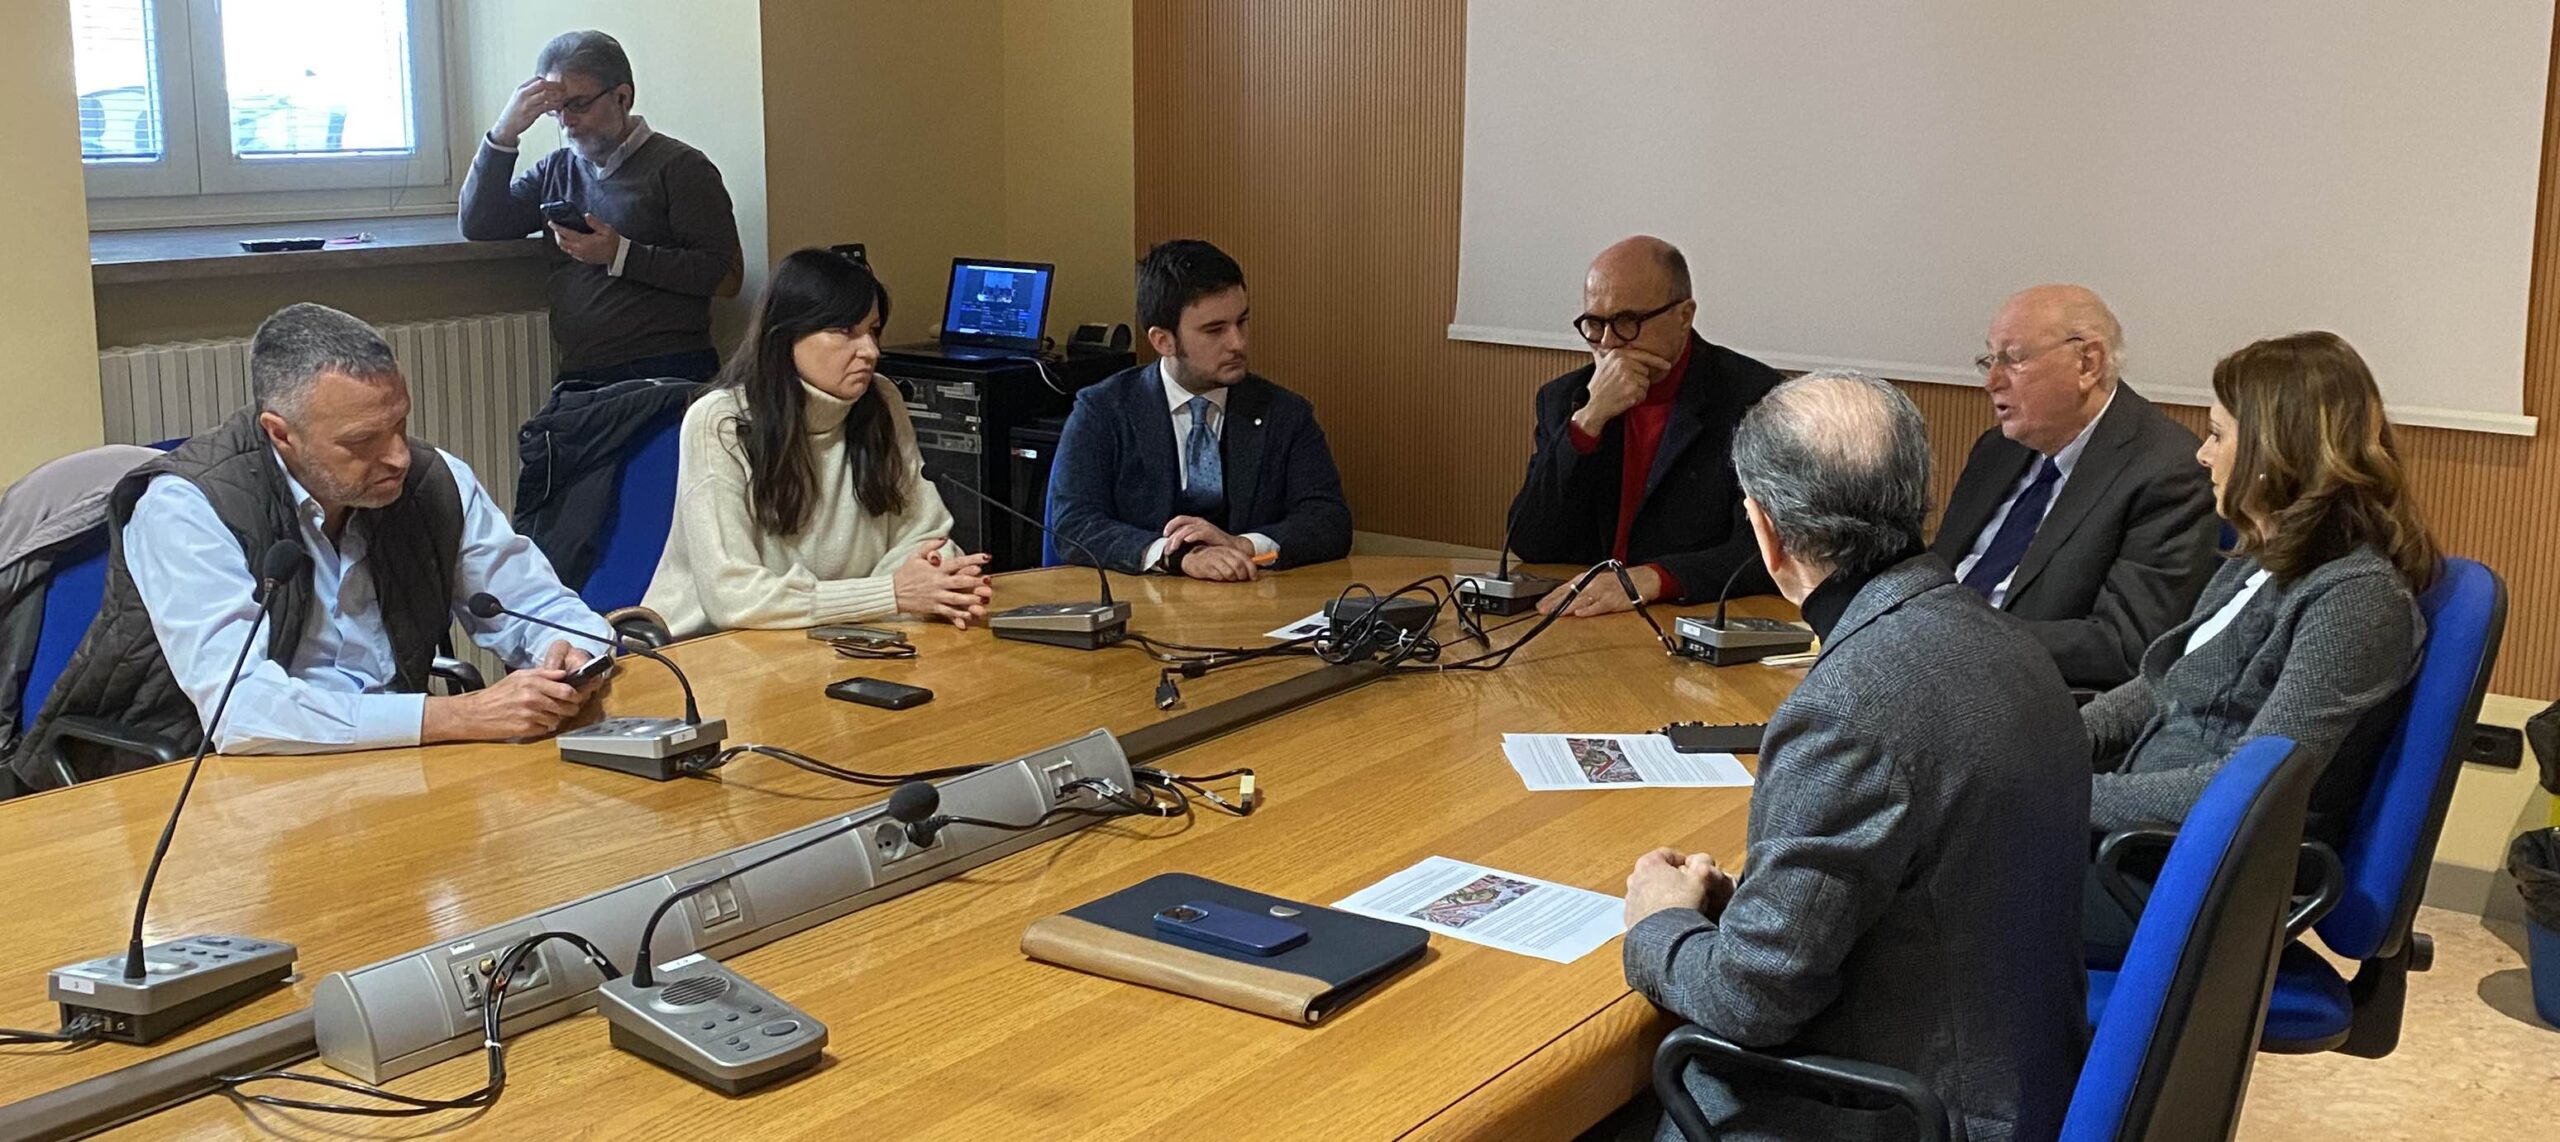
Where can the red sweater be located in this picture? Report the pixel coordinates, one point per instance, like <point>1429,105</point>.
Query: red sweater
<point>1645,424</point>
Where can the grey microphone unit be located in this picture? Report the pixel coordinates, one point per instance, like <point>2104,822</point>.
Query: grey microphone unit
<point>1723,641</point>
<point>147,993</point>
<point>660,749</point>
<point>1081,626</point>
<point>1506,592</point>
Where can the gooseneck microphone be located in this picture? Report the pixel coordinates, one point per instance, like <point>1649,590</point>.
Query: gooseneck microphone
<point>486,606</point>
<point>1082,626</point>
<point>1502,592</point>
<point>148,996</point>
<point>1727,642</point>
<point>915,803</point>
<point>660,749</point>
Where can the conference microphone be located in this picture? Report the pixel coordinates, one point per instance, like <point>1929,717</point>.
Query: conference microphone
<point>699,1017</point>
<point>1504,592</point>
<point>151,992</point>
<point>660,749</point>
<point>1723,641</point>
<point>1083,626</point>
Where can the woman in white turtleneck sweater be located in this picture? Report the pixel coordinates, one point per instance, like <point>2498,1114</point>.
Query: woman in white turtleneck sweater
<point>800,496</point>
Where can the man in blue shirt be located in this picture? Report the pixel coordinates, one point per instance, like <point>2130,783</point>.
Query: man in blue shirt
<point>399,535</point>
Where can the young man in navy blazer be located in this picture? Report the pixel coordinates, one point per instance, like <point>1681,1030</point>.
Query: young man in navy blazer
<point>1192,464</point>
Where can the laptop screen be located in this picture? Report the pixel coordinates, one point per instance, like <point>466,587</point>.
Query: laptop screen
<point>1004,304</point>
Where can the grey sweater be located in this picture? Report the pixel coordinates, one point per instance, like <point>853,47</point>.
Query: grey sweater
<point>2323,660</point>
<point>666,198</point>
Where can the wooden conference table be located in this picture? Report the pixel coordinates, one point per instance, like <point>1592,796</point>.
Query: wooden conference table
<point>939,1026</point>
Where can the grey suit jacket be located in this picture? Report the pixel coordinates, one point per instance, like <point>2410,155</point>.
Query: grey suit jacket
<point>2324,660</point>
<point>2119,558</point>
<point>1912,894</point>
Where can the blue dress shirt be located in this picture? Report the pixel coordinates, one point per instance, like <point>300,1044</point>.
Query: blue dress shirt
<point>197,585</point>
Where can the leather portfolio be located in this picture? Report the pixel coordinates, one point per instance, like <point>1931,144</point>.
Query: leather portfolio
<point>1344,956</point>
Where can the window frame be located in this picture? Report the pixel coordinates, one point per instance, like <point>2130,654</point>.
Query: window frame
<point>198,175</point>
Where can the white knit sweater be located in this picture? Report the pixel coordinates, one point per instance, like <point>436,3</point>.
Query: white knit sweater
<point>722,572</point>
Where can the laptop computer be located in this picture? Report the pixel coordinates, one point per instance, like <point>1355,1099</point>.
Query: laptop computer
<point>994,309</point>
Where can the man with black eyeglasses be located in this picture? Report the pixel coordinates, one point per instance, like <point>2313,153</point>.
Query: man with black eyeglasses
<point>2082,514</point>
<point>1633,457</point>
<point>649,231</point>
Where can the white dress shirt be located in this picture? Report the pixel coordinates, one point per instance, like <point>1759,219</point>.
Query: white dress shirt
<point>2064,461</point>
<point>1178,399</point>
<point>197,585</point>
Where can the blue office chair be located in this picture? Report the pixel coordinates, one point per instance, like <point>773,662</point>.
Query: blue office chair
<point>72,592</point>
<point>2172,1058</point>
<point>2392,844</point>
<point>644,508</point>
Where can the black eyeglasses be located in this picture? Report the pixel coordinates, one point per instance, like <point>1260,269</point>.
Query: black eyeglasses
<point>1626,325</point>
<point>579,106</point>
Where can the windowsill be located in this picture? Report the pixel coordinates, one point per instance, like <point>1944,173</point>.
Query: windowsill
<point>190,253</point>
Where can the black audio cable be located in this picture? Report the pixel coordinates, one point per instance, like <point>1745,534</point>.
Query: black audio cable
<point>412,1106</point>
<point>799,760</point>
<point>87,1028</point>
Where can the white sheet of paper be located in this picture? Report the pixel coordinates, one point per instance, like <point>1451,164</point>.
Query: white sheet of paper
<point>1617,761</point>
<point>1311,625</point>
<point>1505,910</point>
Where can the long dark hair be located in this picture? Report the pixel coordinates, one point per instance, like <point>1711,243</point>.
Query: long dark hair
<point>2316,472</point>
<point>811,291</point>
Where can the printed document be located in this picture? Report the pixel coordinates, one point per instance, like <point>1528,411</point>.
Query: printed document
<point>1503,910</point>
<point>1617,761</point>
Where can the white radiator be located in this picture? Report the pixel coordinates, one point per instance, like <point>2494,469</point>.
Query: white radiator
<point>473,381</point>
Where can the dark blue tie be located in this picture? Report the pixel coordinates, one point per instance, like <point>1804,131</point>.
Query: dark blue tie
<point>2009,545</point>
<point>1205,476</point>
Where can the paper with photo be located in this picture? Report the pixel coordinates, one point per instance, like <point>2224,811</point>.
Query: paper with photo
<point>1311,625</point>
<point>1498,909</point>
<point>1617,761</point>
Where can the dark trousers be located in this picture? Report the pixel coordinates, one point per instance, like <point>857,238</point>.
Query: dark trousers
<point>691,365</point>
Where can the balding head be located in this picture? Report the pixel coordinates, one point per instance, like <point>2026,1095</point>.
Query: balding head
<point>1837,463</point>
<point>1639,277</point>
<point>2051,361</point>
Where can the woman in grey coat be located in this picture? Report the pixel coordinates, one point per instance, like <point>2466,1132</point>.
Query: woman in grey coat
<point>2310,630</point>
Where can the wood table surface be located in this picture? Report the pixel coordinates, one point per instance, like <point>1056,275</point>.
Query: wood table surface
<point>939,1026</point>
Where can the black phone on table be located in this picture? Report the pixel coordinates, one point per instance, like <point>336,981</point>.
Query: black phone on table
<point>878,692</point>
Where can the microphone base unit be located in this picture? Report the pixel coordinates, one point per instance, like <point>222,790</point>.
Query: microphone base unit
<point>706,1022</point>
<point>1512,594</point>
<point>660,749</point>
<point>1739,640</point>
<point>1080,626</point>
<point>185,981</point>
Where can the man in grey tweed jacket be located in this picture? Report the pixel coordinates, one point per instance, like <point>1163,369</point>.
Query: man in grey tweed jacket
<point>1912,890</point>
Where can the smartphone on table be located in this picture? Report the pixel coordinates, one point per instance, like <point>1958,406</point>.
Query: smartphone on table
<point>1234,929</point>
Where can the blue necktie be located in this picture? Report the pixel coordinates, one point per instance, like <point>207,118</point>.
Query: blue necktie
<point>1206,475</point>
<point>2009,545</point>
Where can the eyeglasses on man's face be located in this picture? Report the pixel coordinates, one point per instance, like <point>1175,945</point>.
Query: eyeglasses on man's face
<point>2012,359</point>
<point>1593,327</point>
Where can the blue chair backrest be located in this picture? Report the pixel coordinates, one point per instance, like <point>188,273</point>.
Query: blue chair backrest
<point>71,597</point>
<point>2171,1056</point>
<point>2393,842</point>
<point>644,508</point>
<point>1049,556</point>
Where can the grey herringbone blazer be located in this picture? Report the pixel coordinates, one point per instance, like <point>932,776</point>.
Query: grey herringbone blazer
<point>2323,660</point>
<point>1912,891</point>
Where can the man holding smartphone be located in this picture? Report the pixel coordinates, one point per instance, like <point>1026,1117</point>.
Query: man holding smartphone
<point>644,219</point>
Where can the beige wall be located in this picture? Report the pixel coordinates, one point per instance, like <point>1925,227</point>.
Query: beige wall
<point>967,128</point>
<point>51,383</point>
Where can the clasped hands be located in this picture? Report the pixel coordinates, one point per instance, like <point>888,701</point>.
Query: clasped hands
<point>1203,550</point>
<point>1666,878</point>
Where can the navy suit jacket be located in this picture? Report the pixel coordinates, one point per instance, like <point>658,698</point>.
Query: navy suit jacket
<point>1113,483</point>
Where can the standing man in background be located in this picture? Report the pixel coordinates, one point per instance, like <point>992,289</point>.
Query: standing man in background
<point>1633,458</point>
<point>659,239</point>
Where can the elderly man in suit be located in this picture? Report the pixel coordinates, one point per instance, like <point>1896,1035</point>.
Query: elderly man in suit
<point>1193,465</point>
<point>1912,893</point>
<point>2082,513</point>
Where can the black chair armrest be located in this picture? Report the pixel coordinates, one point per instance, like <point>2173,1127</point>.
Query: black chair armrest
<point>1823,1072</point>
<point>101,732</point>
<point>2116,848</point>
<point>641,626</point>
<point>459,677</point>
<point>2319,864</point>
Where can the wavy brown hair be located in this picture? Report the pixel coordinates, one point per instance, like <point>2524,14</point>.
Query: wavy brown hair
<point>811,290</point>
<point>2315,473</point>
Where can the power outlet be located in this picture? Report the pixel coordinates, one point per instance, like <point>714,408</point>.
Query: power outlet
<point>889,843</point>
<point>471,975</point>
<point>1057,776</point>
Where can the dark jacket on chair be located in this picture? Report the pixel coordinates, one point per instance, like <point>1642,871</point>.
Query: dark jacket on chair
<point>119,671</point>
<point>59,509</point>
<point>1691,521</point>
<point>1116,473</point>
<point>572,451</point>
<point>1912,891</point>
<point>2121,554</point>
